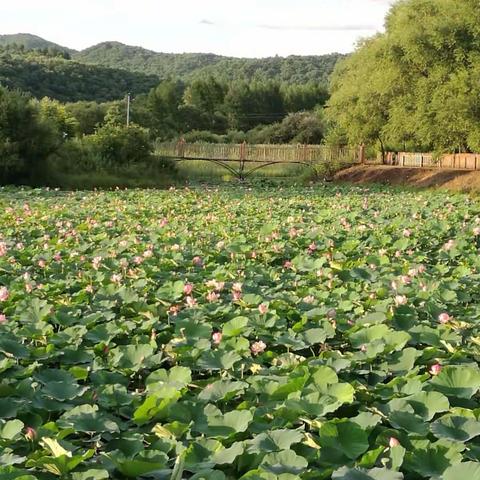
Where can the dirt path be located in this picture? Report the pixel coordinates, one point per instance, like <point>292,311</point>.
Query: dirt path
<point>457,180</point>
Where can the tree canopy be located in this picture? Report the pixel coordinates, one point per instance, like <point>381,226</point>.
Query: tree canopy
<point>416,86</point>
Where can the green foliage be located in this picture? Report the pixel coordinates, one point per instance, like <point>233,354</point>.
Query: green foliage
<point>29,132</point>
<point>27,41</point>
<point>67,80</point>
<point>414,86</point>
<point>187,66</point>
<point>302,127</point>
<point>88,116</point>
<point>132,343</point>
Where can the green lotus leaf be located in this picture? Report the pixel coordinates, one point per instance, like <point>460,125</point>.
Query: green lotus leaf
<point>178,377</point>
<point>87,418</point>
<point>346,473</point>
<point>341,440</point>
<point>131,357</point>
<point>454,427</point>
<point>274,441</point>
<point>285,461</point>
<point>222,390</point>
<point>235,327</point>
<point>470,470</point>
<point>461,381</point>
<point>9,430</point>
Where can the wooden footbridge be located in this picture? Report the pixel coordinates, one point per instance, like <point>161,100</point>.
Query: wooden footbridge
<point>241,160</point>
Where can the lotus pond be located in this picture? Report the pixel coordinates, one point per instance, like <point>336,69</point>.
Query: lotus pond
<point>224,333</point>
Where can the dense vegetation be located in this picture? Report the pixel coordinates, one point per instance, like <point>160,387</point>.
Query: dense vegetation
<point>176,335</point>
<point>416,86</point>
<point>45,141</point>
<point>293,69</point>
<point>49,74</point>
<point>28,41</point>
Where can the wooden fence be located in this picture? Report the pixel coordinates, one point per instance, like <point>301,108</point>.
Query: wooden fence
<point>271,154</point>
<point>460,161</point>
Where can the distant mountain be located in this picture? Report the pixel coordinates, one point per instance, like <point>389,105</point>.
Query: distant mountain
<point>31,42</point>
<point>108,70</point>
<point>293,69</point>
<point>66,80</point>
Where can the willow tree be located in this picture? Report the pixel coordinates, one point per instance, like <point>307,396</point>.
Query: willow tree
<point>417,84</point>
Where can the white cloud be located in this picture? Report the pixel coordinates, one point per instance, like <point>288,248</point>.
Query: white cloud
<point>240,28</point>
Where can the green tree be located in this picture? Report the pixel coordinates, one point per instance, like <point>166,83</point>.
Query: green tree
<point>416,85</point>
<point>164,104</point>
<point>26,138</point>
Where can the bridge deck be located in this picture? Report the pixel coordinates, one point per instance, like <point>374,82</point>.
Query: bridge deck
<point>300,154</point>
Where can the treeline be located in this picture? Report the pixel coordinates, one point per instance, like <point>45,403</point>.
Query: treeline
<point>415,87</point>
<point>187,66</point>
<point>48,142</point>
<point>47,73</point>
<point>207,105</point>
<point>41,144</point>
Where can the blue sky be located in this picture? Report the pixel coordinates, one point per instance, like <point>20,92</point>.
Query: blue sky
<point>249,28</point>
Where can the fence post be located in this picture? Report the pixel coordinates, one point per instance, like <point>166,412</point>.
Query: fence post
<point>361,154</point>
<point>181,148</point>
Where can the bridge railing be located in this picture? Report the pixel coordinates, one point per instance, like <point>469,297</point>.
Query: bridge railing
<point>306,154</point>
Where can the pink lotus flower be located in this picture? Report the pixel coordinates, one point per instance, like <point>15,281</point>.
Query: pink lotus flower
<point>138,260</point>
<point>173,310</point>
<point>163,222</point>
<point>96,262</point>
<point>309,299</point>
<point>407,233</point>
<point>197,261</point>
<point>89,288</point>
<point>30,434</point>
<point>435,369</point>
<point>42,263</point>
<point>444,318</point>
<point>258,347</point>
<point>147,254</point>
<point>220,245</point>
<point>3,249</point>
<point>263,308</point>
<point>237,287</point>
<point>217,338</point>
<point>3,318</point>
<point>393,442</point>
<point>116,278</point>
<point>422,269</point>
<point>476,231</point>
<point>406,280</point>
<point>312,247</point>
<point>401,300</point>
<point>217,286</point>
<point>188,288</point>
<point>4,294</point>
<point>236,295</point>
<point>190,301</point>
<point>288,264</point>
<point>449,245</point>
<point>212,297</point>
<point>57,257</point>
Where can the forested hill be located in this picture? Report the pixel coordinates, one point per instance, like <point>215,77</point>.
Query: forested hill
<point>31,42</point>
<point>293,69</point>
<point>109,70</point>
<point>44,75</point>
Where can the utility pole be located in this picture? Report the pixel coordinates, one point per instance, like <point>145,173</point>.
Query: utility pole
<point>128,109</point>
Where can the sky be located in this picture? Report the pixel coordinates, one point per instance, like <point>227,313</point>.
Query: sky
<point>241,28</point>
